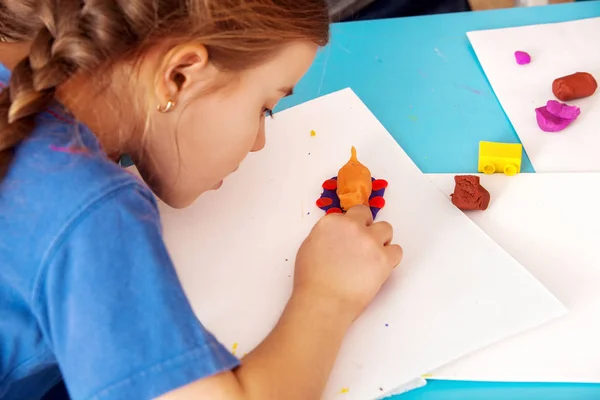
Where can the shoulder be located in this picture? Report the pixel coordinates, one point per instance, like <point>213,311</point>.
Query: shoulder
<point>62,168</point>
<point>59,176</point>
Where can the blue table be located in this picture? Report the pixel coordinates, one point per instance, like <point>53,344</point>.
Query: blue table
<point>421,79</point>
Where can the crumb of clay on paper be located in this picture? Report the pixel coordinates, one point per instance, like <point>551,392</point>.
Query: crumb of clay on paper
<point>468,193</point>
<point>574,86</point>
<point>354,183</point>
<point>313,133</point>
<point>556,116</point>
<point>522,57</point>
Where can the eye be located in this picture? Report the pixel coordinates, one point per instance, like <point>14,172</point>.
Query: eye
<point>267,112</point>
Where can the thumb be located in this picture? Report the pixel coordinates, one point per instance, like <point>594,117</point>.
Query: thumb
<point>361,214</point>
<point>395,254</point>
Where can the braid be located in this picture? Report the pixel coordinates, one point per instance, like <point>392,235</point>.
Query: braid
<point>91,36</point>
<point>19,104</point>
<point>72,36</point>
<point>34,80</point>
<point>14,28</point>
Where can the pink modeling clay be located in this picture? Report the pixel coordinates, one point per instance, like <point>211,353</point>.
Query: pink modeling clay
<point>522,57</point>
<point>555,116</point>
<point>562,110</point>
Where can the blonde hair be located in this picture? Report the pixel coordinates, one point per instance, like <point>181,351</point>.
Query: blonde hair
<point>76,36</point>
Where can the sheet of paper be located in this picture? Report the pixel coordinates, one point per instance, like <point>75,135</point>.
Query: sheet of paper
<point>550,223</point>
<point>455,292</point>
<point>556,50</point>
<point>412,385</point>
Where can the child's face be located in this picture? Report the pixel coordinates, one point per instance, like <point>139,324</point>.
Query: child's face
<point>204,139</point>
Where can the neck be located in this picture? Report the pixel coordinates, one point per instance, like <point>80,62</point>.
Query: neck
<point>12,53</point>
<point>105,114</point>
<point>108,116</point>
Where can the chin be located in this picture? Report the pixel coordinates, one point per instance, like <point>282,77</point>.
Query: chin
<point>179,201</point>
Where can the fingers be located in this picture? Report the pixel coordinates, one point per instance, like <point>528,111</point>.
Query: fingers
<point>383,232</point>
<point>361,214</point>
<point>395,254</point>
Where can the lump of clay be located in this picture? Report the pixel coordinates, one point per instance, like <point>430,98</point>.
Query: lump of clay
<point>562,110</point>
<point>556,116</point>
<point>469,194</point>
<point>576,86</point>
<point>330,202</point>
<point>354,183</point>
<point>522,57</point>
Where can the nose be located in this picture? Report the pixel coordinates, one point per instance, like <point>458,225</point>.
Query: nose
<point>261,139</point>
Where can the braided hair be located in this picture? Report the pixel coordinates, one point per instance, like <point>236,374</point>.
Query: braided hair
<point>70,37</point>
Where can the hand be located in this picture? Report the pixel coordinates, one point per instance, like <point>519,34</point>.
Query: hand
<point>345,260</point>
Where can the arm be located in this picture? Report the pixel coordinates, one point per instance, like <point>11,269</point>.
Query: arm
<point>113,311</point>
<point>339,269</point>
<point>293,362</point>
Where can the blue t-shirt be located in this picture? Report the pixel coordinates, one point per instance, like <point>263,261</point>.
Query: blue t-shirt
<point>88,292</point>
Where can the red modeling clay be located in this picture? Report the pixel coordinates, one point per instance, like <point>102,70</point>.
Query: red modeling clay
<point>576,86</point>
<point>379,184</point>
<point>323,202</point>
<point>377,202</point>
<point>330,184</point>
<point>469,194</point>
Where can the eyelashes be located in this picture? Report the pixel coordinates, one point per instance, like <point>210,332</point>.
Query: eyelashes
<point>267,112</point>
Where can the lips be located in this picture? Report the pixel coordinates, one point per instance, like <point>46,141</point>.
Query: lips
<point>218,185</point>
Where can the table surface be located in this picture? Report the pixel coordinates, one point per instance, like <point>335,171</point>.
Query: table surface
<point>421,79</point>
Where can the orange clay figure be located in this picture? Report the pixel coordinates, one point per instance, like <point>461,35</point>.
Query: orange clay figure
<point>354,183</point>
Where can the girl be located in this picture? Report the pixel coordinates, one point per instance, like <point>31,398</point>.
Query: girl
<point>88,293</point>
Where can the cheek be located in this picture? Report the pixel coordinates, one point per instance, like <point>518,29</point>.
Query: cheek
<point>214,140</point>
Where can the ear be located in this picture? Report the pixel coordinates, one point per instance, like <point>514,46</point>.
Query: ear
<point>181,67</point>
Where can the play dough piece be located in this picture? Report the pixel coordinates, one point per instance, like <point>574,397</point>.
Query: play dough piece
<point>555,116</point>
<point>522,57</point>
<point>562,110</point>
<point>330,203</point>
<point>469,194</point>
<point>354,183</point>
<point>575,86</point>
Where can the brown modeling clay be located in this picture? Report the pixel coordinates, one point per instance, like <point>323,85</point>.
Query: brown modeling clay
<point>354,183</point>
<point>469,194</point>
<point>576,86</point>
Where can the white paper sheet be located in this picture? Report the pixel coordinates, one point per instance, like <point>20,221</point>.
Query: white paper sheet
<point>556,50</point>
<point>551,224</point>
<point>456,290</point>
<point>412,385</point>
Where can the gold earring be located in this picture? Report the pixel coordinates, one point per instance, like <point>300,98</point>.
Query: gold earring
<point>169,107</point>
